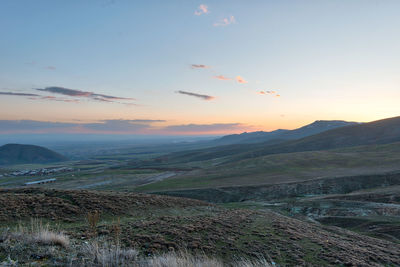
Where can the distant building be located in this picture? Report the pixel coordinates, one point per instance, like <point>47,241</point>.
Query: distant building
<point>52,180</point>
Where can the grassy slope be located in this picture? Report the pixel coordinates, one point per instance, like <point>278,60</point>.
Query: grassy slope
<point>377,132</point>
<point>289,167</point>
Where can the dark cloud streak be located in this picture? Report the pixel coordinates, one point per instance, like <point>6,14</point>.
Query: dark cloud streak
<point>203,127</point>
<point>17,94</point>
<point>80,93</point>
<point>199,66</point>
<point>204,97</point>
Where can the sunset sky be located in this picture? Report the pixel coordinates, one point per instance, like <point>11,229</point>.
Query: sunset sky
<point>195,67</point>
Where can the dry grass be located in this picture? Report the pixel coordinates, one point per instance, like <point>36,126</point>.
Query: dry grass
<point>173,259</point>
<point>116,230</point>
<point>39,233</point>
<point>93,218</point>
<point>106,255</point>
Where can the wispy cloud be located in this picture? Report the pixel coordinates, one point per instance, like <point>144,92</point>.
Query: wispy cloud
<point>202,9</point>
<point>31,126</point>
<point>199,66</point>
<point>39,97</point>
<point>239,79</point>
<point>273,93</point>
<point>53,98</point>
<point>50,68</point>
<point>17,94</point>
<point>119,126</point>
<point>222,78</point>
<point>203,127</point>
<point>70,93</point>
<point>31,63</point>
<point>102,127</point>
<point>267,92</point>
<point>225,22</point>
<point>80,93</point>
<point>204,97</point>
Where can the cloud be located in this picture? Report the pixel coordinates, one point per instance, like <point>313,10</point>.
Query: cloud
<point>39,97</point>
<point>267,92</point>
<point>273,93</point>
<point>53,98</point>
<point>121,126</point>
<point>139,126</point>
<point>203,127</point>
<point>199,66</point>
<point>31,126</point>
<point>239,79</point>
<point>17,94</point>
<point>222,78</point>
<point>79,93</point>
<point>70,93</point>
<point>204,97</point>
<point>202,9</point>
<point>225,22</point>
<point>50,67</point>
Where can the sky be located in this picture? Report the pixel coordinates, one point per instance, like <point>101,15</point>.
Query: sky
<point>195,67</point>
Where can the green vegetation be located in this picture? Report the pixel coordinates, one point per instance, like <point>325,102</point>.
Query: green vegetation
<point>289,167</point>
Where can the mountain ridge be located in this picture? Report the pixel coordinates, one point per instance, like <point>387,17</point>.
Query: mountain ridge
<point>283,134</point>
<point>377,132</point>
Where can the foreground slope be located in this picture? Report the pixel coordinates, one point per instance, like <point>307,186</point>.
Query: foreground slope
<point>154,224</point>
<point>27,154</point>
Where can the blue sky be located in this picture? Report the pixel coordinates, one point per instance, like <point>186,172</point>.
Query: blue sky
<point>322,60</point>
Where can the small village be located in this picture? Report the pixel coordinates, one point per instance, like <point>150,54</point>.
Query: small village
<point>37,172</point>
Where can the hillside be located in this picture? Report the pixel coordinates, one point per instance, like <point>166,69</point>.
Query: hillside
<point>288,167</point>
<point>281,135</point>
<point>376,132</point>
<point>155,224</point>
<point>26,154</point>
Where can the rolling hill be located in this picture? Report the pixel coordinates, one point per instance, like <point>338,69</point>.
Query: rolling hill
<point>376,132</point>
<point>27,154</point>
<point>281,135</point>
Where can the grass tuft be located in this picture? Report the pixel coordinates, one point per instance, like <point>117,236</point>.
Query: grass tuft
<point>39,233</point>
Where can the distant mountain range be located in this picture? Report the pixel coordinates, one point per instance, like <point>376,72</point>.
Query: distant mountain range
<point>282,135</point>
<point>373,133</point>
<point>354,134</point>
<point>27,154</point>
